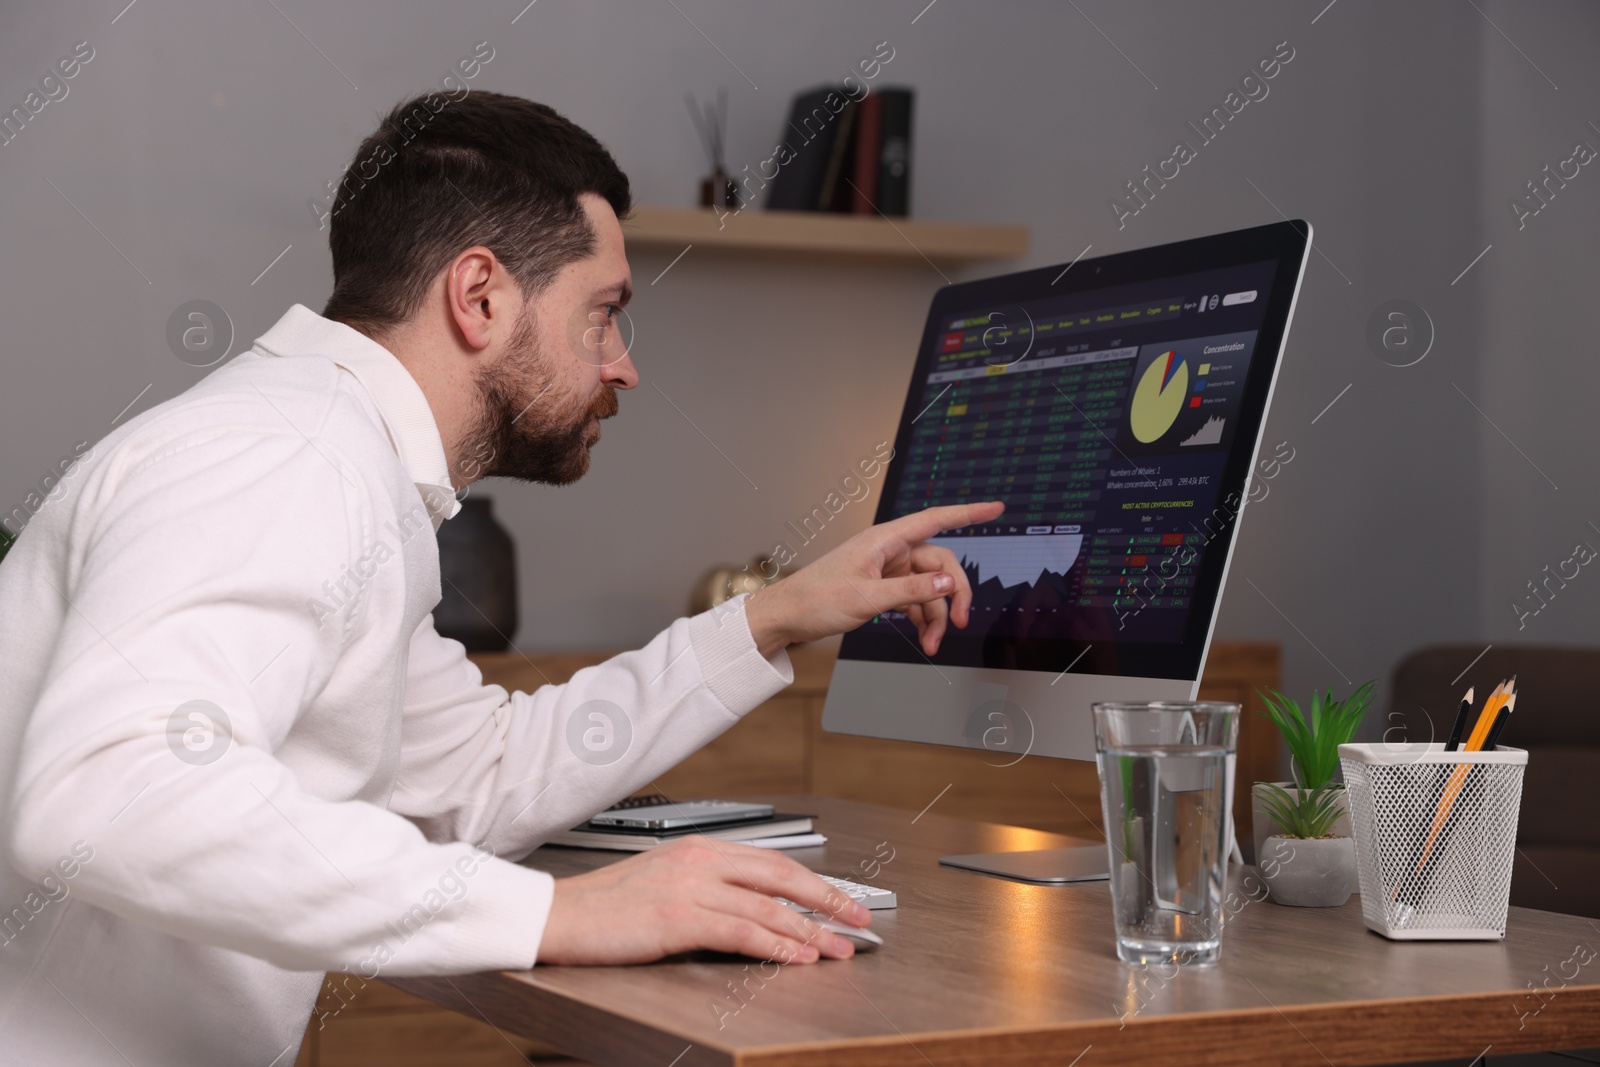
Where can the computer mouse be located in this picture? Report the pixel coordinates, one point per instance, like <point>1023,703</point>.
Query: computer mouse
<point>863,940</point>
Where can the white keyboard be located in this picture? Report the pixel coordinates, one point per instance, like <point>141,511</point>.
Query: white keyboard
<point>870,897</point>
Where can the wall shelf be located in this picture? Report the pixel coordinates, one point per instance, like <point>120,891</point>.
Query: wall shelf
<point>842,238</point>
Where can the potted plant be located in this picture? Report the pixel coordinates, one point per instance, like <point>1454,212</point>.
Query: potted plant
<point>1302,827</point>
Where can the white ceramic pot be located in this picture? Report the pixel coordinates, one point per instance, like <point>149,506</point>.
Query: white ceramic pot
<point>1315,873</point>
<point>1263,825</point>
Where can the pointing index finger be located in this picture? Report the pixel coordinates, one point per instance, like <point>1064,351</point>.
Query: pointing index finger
<point>924,524</point>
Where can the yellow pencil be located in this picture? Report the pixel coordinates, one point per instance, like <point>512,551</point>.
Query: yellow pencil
<point>1480,729</point>
<point>1458,777</point>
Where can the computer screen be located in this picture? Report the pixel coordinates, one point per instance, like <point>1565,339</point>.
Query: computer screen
<point>1118,423</point>
<point>1115,405</point>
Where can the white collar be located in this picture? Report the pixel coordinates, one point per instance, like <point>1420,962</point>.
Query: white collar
<point>400,400</point>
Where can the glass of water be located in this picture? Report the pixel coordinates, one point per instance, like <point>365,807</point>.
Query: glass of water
<point>1165,787</point>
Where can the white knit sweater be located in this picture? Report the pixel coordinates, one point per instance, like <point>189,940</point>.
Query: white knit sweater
<point>234,752</point>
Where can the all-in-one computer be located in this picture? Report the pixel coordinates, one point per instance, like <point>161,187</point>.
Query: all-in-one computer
<point>1115,405</point>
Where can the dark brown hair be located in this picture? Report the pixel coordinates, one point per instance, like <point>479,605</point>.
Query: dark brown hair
<point>442,174</point>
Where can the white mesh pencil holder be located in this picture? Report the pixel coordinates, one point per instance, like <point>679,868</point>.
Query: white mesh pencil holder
<point>1435,836</point>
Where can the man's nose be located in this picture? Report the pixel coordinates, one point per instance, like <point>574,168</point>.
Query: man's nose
<point>620,374</point>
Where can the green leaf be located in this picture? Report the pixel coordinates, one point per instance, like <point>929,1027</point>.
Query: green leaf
<point>1313,741</point>
<point>1303,814</point>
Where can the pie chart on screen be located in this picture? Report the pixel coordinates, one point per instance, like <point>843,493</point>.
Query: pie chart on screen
<point>1159,397</point>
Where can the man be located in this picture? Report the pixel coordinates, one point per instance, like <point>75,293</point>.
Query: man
<point>236,752</point>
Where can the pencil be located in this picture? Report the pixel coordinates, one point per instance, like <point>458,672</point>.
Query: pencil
<point>1492,742</point>
<point>1422,845</point>
<point>1461,722</point>
<point>1495,716</point>
<point>1491,708</point>
<point>1485,733</point>
<point>1417,859</point>
<point>1458,777</point>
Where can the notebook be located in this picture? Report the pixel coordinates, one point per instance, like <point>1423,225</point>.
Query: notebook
<point>586,836</point>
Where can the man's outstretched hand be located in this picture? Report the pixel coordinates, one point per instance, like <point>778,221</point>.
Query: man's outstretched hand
<point>695,893</point>
<point>882,568</point>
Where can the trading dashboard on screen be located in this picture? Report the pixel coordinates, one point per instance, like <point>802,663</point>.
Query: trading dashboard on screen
<point>1106,420</point>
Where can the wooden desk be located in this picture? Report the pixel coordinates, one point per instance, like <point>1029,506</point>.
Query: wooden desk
<point>982,971</point>
<point>781,747</point>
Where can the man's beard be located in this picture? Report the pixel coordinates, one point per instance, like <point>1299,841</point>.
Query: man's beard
<point>517,433</point>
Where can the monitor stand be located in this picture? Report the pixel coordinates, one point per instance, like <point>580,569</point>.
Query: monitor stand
<point>1045,866</point>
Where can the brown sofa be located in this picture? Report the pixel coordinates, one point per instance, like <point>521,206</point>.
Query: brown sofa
<point>1558,722</point>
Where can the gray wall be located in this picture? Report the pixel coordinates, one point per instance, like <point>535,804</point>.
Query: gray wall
<point>1540,364</point>
<point>195,137</point>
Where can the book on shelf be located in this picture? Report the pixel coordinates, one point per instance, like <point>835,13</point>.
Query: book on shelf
<point>834,194</point>
<point>626,840</point>
<point>805,145</point>
<point>894,153</point>
<point>844,155</point>
<point>869,145</point>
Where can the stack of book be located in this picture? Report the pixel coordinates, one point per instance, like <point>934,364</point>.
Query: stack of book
<point>845,155</point>
<point>778,830</point>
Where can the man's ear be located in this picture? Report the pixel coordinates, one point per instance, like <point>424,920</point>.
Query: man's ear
<point>480,294</point>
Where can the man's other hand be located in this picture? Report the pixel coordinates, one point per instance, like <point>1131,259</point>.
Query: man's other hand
<point>882,568</point>
<point>695,893</point>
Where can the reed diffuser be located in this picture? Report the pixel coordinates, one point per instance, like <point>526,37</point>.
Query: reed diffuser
<point>711,122</point>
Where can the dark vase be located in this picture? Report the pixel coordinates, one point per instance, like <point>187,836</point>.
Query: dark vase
<point>478,579</point>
